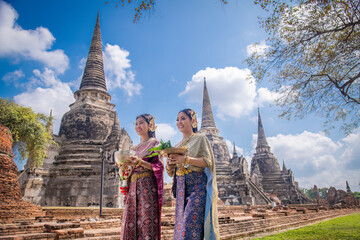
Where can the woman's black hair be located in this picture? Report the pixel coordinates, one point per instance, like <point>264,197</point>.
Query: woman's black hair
<point>147,118</point>
<point>188,112</point>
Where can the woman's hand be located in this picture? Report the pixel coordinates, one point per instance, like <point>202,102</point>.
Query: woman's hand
<point>176,158</point>
<point>169,163</point>
<point>131,161</point>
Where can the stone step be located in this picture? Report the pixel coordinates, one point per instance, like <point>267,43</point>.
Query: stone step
<point>230,227</point>
<point>68,233</point>
<point>81,145</point>
<point>237,232</point>
<point>11,229</point>
<point>38,236</point>
<point>79,156</point>
<point>224,168</point>
<point>78,161</point>
<point>57,226</point>
<point>82,150</point>
<point>102,232</point>
<point>111,223</point>
<point>113,237</point>
<point>79,149</point>
<point>76,167</point>
<point>225,174</point>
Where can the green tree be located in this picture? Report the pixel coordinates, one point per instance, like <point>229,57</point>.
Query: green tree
<point>29,131</point>
<point>312,57</point>
<point>311,193</point>
<point>323,192</point>
<point>357,195</point>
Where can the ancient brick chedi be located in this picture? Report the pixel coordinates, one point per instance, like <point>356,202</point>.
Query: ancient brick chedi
<point>234,184</point>
<point>89,132</point>
<point>267,175</point>
<point>12,205</point>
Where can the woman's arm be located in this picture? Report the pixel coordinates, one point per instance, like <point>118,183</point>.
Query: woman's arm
<point>137,162</point>
<point>145,164</point>
<point>177,158</point>
<point>198,162</point>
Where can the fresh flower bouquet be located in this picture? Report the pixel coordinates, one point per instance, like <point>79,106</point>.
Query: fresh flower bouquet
<point>125,170</point>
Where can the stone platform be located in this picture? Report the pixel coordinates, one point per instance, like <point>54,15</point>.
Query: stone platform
<point>236,222</point>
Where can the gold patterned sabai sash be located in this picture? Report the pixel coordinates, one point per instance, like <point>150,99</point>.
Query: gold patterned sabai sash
<point>137,176</point>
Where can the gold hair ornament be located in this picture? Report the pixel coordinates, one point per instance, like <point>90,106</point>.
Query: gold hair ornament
<point>152,126</point>
<point>194,123</point>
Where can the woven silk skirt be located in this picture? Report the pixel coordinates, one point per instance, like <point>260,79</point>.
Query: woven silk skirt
<point>190,206</point>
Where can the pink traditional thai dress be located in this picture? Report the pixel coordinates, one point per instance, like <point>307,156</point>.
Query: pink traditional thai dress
<point>142,213</point>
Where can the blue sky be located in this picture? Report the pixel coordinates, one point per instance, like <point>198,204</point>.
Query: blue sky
<point>157,66</point>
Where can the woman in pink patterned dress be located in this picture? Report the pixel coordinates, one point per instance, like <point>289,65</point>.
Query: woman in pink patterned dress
<point>142,213</point>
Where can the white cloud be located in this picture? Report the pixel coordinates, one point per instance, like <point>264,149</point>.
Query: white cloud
<point>49,94</point>
<point>304,150</point>
<point>317,160</point>
<point>266,96</point>
<point>165,132</point>
<point>30,44</point>
<point>235,94</point>
<point>82,63</point>
<point>257,48</point>
<point>12,77</point>
<point>351,154</point>
<point>117,69</point>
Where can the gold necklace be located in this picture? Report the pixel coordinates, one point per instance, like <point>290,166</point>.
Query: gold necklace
<point>186,140</point>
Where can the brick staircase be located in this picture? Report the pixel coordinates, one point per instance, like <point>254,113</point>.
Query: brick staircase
<point>236,222</point>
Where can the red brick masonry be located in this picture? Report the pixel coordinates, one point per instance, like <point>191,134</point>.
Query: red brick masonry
<point>11,203</point>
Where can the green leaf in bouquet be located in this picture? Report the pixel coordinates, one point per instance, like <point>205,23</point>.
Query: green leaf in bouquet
<point>152,155</point>
<point>157,149</point>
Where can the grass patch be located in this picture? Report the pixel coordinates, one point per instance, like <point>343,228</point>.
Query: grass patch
<point>347,227</point>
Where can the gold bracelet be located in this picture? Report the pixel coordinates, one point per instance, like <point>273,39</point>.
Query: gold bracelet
<point>138,163</point>
<point>187,160</point>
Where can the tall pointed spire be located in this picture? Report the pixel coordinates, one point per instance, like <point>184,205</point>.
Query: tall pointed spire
<point>347,187</point>
<point>207,119</point>
<point>284,167</point>
<point>261,140</point>
<point>50,124</point>
<point>235,155</point>
<point>94,77</point>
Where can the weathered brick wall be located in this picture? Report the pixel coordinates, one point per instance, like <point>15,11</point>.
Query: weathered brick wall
<point>11,203</point>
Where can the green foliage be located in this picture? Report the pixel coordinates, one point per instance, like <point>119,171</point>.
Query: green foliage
<point>157,149</point>
<point>357,195</point>
<point>339,228</point>
<point>29,131</point>
<point>311,193</point>
<point>312,58</point>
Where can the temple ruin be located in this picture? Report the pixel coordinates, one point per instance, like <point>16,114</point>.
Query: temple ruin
<point>89,134</point>
<point>234,184</point>
<point>267,175</point>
